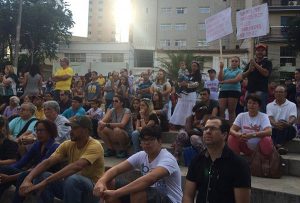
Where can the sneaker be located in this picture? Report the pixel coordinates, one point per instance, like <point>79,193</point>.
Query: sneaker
<point>282,151</point>
<point>109,153</point>
<point>121,154</point>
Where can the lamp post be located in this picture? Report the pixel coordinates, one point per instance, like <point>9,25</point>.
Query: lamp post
<point>17,45</point>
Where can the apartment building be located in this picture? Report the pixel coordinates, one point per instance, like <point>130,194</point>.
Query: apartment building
<point>283,58</point>
<point>101,21</point>
<point>180,26</point>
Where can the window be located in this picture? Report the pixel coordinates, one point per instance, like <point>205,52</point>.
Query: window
<point>166,10</point>
<point>76,57</point>
<point>201,26</point>
<point>181,10</point>
<point>165,27</point>
<point>180,43</point>
<point>165,43</point>
<point>112,57</point>
<point>180,26</point>
<point>287,56</point>
<point>204,10</point>
<point>202,43</point>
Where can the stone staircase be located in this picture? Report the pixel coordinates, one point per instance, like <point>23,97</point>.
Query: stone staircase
<point>264,190</point>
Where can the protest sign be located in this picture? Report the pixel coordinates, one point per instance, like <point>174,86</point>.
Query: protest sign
<point>218,25</point>
<point>252,22</point>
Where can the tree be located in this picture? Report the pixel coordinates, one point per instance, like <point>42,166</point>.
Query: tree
<point>45,24</point>
<point>293,33</point>
<point>171,64</point>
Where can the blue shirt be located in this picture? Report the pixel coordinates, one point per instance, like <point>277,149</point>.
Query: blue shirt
<point>17,124</point>
<point>71,112</point>
<point>231,74</point>
<point>34,156</point>
<point>145,85</point>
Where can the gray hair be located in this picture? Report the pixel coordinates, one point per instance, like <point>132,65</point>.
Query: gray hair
<point>15,99</point>
<point>52,105</point>
<point>31,106</point>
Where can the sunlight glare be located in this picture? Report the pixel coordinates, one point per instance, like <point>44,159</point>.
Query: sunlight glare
<point>123,18</point>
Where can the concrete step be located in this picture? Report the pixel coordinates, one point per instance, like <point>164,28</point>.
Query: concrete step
<point>264,190</point>
<point>292,162</point>
<point>293,146</point>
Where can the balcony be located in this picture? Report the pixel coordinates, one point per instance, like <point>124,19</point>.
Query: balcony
<point>277,34</point>
<point>283,5</point>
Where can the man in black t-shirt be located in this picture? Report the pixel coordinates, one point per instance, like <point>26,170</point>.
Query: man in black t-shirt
<point>213,105</point>
<point>258,71</point>
<point>218,174</point>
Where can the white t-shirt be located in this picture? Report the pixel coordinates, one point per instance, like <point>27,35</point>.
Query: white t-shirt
<point>252,125</point>
<point>282,112</point>
<point>213,86</point>
<point>170,185</point>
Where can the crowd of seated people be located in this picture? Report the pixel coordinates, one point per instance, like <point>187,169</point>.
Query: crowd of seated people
<point>50,139</point>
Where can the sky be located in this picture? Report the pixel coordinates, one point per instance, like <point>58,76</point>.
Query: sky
<point>79,9</point>
<point>123,17</point>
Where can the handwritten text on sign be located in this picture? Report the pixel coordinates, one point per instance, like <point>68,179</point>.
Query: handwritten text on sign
<point>252,22</point>
<point>218,25</point>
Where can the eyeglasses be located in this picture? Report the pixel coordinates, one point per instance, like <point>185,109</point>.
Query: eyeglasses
<point>116,101</point>
<point>211,128</point>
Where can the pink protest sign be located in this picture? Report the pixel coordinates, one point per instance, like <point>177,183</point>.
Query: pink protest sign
<point>252,22</point>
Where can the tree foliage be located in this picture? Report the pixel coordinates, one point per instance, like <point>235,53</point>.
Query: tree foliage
<point>171,64</point>
<point>45,23</point>
<point>293,33</point>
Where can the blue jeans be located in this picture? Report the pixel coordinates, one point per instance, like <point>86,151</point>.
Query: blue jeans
<point>8,170</point>
<point>73,189</point>
<point>135,135</point>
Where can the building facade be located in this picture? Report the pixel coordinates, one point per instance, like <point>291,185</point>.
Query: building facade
<point>284,59</point>
<point>101,21</point>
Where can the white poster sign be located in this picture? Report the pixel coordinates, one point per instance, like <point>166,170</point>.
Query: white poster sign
<point>218,25</point>
<point>252,22</point>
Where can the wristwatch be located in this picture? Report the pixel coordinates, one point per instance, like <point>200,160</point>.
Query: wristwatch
<point>254,135</point>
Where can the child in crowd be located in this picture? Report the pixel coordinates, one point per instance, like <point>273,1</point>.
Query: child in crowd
<point>212,84</point>
<point>96,114</point>
<point>183,75</point>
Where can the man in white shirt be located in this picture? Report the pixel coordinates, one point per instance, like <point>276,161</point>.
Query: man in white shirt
<point>160,180</point>
<point>212,84</point>
<point>282,114</point>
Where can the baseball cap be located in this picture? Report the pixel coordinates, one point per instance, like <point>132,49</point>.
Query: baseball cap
<point>80,121</point>
<point>260,45</point>
<point>211,70</point>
